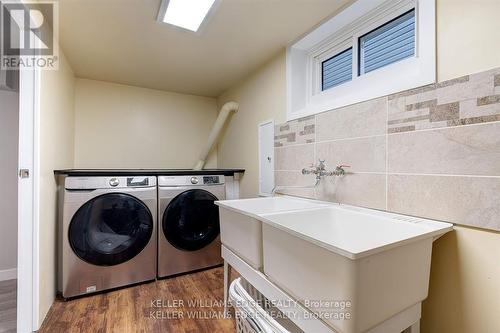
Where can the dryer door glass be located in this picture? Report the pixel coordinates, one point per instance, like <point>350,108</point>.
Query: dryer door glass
<point>191,220</point>
<point>110,229</point>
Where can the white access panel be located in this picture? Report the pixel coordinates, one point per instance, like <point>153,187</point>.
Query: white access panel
<point>266,158</point>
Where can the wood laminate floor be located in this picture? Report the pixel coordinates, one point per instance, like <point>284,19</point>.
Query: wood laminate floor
<point>186,304</point>
<point>8,299</point>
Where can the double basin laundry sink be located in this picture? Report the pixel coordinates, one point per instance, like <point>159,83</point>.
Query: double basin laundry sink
<point>323,254</point>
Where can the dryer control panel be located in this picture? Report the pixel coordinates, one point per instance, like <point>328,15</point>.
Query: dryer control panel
<point>194,180</point>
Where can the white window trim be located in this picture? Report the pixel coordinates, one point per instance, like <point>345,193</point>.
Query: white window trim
<point>304,57</point>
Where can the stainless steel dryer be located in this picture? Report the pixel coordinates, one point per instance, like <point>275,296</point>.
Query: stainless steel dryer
<point>107,237</point>
<point>188,229</point>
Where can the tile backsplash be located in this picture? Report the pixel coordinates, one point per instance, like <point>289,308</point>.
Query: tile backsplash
<point>432,151</point>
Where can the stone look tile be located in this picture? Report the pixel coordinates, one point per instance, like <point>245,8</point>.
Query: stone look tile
<point>408,114</point>
<point>408,120</point>
<point>415,91</point>
<point>362,119</point>
<point>470,150</point>
<point>421,105</point>
<point>295,178</point>
<point>465,100</point>
<point>295,132</point>
<point>285,134</point>
<point>430,125</point>
<point>495,99</point>
<point>422,97</point>
<point>472,201</point>
<point>480,84</point>
<point>443,112</point>
<point>451,82</point>
<point>294,157</point>
<point>306,130</point>
<point>396,106</point>
<point>469,108</point>
<point>359,189</point>
<point>474,120</point>
<point>401,129</point>
<point>363,155</point>
<point>497,80</point>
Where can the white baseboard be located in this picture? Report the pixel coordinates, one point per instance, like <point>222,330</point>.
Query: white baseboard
<point>8,274</point>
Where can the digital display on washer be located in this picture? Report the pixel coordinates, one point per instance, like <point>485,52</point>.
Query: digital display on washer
<point>137,181</point>
<point>210,179</point>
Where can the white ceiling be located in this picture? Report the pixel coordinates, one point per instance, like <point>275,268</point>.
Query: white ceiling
<point>121,41</point>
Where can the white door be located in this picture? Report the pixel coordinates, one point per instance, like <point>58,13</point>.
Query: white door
<point>28,161</point>
<point>27,272</point>
<point>266,158</point>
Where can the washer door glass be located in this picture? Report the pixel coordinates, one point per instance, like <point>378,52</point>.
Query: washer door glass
<point>191,220</point>
<point>110,229</point>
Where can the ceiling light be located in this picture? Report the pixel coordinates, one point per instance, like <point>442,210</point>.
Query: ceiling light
<point>187,14</point>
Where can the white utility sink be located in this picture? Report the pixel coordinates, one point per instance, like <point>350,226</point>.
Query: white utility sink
<point>379,262</point>
<point>327,255</point>
<point>354,232</point>
<point>241,228</point>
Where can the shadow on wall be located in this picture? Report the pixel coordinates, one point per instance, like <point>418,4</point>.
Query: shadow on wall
<point>446,288</point>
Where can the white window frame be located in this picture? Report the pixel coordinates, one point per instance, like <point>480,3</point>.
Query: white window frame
<point>304,57</point>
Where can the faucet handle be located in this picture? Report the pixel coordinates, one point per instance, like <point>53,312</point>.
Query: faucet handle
<point>340,169</point>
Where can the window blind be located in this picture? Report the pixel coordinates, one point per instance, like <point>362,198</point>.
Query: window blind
<point>337,69</point>
<point>390,43</point>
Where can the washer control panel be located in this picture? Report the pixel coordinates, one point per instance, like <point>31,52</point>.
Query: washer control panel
<point>137,181</point>
<point>211,180</point>
<point>98,182</point>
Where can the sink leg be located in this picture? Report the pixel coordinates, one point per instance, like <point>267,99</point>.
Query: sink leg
<point>415,328</point>
<point>227,276</point>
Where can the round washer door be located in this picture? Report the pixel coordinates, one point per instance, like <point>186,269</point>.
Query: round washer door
<point>191,220</point>
<point>110,229</point>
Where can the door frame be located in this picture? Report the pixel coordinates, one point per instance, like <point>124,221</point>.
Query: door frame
<point>269,121</point>
<point>28,199</point>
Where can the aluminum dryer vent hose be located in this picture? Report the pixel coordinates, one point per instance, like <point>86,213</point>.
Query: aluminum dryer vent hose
<point>224,113</point>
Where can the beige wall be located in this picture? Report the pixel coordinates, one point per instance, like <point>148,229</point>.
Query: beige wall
<point>56,152</point>
<point>464,289</point>
<point>464,292</point>
<point>9,137</point>
<point>261,97</point>
<point>465,33</point>
<point>119,126</point>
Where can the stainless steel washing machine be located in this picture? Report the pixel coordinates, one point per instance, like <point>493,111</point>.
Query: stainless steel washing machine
<point>188,228</point>
<point>107,233</point>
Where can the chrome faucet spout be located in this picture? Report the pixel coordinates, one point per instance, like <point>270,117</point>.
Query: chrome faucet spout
<point>277,187</point>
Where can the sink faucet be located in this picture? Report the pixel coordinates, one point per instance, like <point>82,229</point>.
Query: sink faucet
<point>320,170</point>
